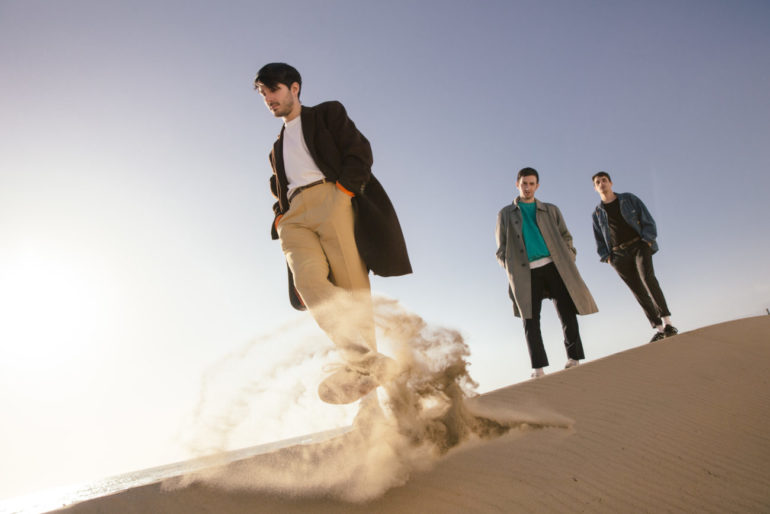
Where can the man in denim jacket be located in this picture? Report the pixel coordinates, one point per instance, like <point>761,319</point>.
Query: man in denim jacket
<point>625,237</point>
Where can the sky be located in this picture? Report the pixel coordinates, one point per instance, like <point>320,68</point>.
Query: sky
<point>140,290</point>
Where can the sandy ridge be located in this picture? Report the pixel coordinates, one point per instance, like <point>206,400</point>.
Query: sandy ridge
<point>674,426</point>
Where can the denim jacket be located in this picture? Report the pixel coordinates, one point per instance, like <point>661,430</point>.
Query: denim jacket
<point>636,215</point>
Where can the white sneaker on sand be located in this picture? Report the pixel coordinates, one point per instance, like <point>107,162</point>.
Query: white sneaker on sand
<point>571,363</point>
<point>537,373</point>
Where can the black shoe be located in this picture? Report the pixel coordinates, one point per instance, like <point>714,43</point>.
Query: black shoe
<point>670,330</point>
<point>657,337</point>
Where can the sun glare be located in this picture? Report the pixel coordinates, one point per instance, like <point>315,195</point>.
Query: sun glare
<point>51,303</point>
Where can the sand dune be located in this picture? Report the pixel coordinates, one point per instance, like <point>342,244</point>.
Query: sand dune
<point>674,426</point>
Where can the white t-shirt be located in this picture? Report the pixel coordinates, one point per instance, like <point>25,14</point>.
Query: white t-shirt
<point>299,165</point>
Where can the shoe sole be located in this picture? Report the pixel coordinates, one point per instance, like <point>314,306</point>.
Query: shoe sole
<point>345,386</point>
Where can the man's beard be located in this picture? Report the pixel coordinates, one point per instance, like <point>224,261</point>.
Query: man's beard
<point>284,110</point>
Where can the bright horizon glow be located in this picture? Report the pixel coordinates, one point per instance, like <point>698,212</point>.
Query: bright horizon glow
<point>137,275</point>
<point>50,300</point>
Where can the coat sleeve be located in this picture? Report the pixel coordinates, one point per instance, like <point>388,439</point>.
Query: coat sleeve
<point>500,236</point>
<point>276,205</point>
<point>646,222</point>
<point>563,231</point>
<point>354,148</point>
<point>601,244</point>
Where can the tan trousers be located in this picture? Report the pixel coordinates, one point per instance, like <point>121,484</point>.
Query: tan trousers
<point>317,238</point>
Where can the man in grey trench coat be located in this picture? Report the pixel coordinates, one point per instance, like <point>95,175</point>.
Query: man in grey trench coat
<point>535,248</point>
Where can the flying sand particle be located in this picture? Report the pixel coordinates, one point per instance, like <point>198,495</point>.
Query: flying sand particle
<point>405,426</point>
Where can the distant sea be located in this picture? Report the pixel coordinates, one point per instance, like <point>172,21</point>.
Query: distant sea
<point>60,497</point>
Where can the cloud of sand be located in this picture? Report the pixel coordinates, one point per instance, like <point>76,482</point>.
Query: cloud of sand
<point>405,426</point>
<point>264,392</point>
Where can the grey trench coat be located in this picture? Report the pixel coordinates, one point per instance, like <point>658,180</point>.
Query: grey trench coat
<point>512,255</point>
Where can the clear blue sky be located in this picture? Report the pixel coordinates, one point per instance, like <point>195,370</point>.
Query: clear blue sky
<point>134,208</point>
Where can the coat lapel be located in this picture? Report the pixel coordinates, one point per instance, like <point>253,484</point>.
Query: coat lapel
<point>307,118</point>
<point>278,151</point>
<point>277,157</point>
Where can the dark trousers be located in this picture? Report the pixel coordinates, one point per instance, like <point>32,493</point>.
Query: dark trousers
<point>546,278</point>
<point>634,265</point>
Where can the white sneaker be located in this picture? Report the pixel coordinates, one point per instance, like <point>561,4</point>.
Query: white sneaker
<point>537,373</point>
<point>571,363</point>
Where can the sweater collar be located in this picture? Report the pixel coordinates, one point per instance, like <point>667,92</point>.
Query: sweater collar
<point>538,204</point>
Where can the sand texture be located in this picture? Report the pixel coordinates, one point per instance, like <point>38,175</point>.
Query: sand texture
<point>679,425</point>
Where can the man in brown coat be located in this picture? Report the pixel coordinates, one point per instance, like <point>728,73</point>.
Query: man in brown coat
<point>535,248</point>
<point>335,223</point>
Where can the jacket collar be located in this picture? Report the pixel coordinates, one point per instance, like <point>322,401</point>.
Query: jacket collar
<point>538,204</point>
<point>618,196</point>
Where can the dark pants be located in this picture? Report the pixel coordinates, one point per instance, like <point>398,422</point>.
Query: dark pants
<point>547,278</point>
<point>634,265</point>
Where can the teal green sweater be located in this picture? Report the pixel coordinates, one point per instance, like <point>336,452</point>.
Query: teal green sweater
<point>533,239</point>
